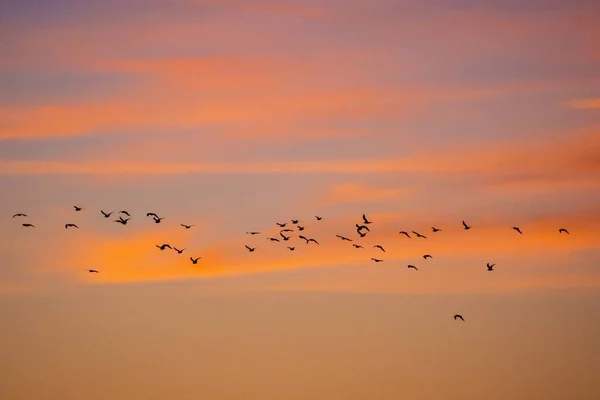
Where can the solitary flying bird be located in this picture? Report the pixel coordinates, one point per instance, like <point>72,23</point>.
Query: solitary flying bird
<point>250,249</point>
<point>490,267</point>
<point>378,246</point>
<point>186,226</point>
<point>457,316</point>
<point>77,208</point>
<point>343,238</point>
<point>93,271</point>
<point>404,233</point>
<point>106,215</point>
<point>71,225</point>
<point>376,259</point>
<point>252,233</point>
<point>28,225</point>
<point>516,228</point>
<point>413,267</point>
<point>291,248</point>
<point>357,246</point>
<point>426,256</point>
<point>318,218</point>
<point>164,246</point>
<point>19,215</point>
<point>419,235</point>
<point>465,225</point>
<point>365,220</point>
<point>177,250</point>
<point>434,229</point>
<point>195,260</point>
<point>561,230</point>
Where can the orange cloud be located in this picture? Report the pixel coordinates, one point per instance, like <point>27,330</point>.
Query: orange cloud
<point>584,104</point>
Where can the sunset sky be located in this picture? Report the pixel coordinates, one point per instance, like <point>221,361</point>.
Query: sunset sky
<point>233,115</point>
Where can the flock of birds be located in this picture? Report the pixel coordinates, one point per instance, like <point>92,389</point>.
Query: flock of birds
<point>362,229</point>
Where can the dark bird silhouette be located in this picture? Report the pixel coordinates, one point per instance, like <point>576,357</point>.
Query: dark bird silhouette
<point>273,239</point>
<point>295,221</point>
<point>93,271</point>
<point>195,260</point>
<point>106,215</point>
<point>291,248</point>
<point>283,236</point>
<point>19,215</point>
<point>122,221</point>
<point>413,267</point>
<point>77,208</point>
<point>361,227</point>
<point>300,228</point>
<point>157,220</point>
<point>490,267</point>
<point>153,215</point>
<point>281,225</point>
<point>365,220</point>
<point>357,246</point>
<point>361,234</point>
<point>561,230</point>
<point>164,246</point>
<point>71,226</point>
<point>376,259</point>
<point>312,240</point>
<point>343,238</point>
<point>286,230</point>
<point>186,226</point>
<point>177,250</point>
<point>417,234</point>
<point>252,233</point>
<point>250,249</point>
<point>434,229</point>
<point>465,225</point>
<point>304,237</point>
<point>125,212</point>
<point>378,246</point>
<point>458,316</point>
<point>426,256</point>
<point>516,228</point>
<point>28,225</point>
<point>404,233</point>
<point>318,218</point>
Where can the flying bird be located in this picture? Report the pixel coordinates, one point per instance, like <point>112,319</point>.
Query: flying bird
<point>376,259</point>
<point>19,215</point>
<point>195,260</point>
<point>125,212</point>
<point>122,221</point>
<point>77,208</point>
<point>413,267</point>
<point>426,256</point>
<point>312,240</point>
<point>361,227</point>
<point>365,220</point>
<point>404,233</point>
<point>419,235</point>
<point>71,226</point>
<point>516,228</point>
<point>164,246</point>
<point>304,237</point>
<point>250,249</point>
<point>286,230</point>
<point>300,228</point>
<point>283,236</point>
<point>361,234</point>
<point>490,267</point>
<point>465,225</point>
<point>93,271</point>
<point>252,233</point>
<point>273,239</point>
<point>106,215</point>
<point>295,221</point>
<point>357,246</point>
<point>561,230</point>
<point>186,226</point>
<point>28,225</point>
<point>157,220</point>
<point>457,316</point>
<point>177,250</point>
<point>343,238</point>
<point>434,229</point>
<point>378,246</point>
<point>153,215</point>
<point>291,248</point>
<point>281,225</point>
<point>318,218</point>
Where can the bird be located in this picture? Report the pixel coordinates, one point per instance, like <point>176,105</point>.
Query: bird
<point>457,316</point>
<point>164,246</point>
<point>19,215</point>
<point>195,260</point>
<point>490,267</point>
<point>312,240</point>
<point>404,233</point>
<point>361,234</point>
<point>273,239</point>
<point>151,214</point>
<point>106,215</point>
<point>343,238</point>
<point>304,237</point>
<point>286,230</point>
<point>465,225</point>
<point>253,233</point>
<point>122,221</point>
<point>291,248</point>
<point>426,256</point>
<point>318,218</point>
<point>295,221</point>
<point>93,271</point>
<point>434,229</point>
<point>186,226</point>
<point>516,228</point>
<point>281,225</point>
<point>177,250</point>
<point>378,246</point>
<point>283,236</point>
<point>71,226</point>
<point>561,230</point>
<point>300,228</point>
<point>413,267</point>
<point>77,208</point>
<point>376,259</point>
<point>28,225</point>
<point>250,249</point>
<point>419,235</point>
<point>157,220</point>
<point>365,220</point>
<point>361,227</point>
<point>357,246</point>
<point>125,212</point>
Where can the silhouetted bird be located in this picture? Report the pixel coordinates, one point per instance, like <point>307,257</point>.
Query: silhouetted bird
<point>357,246</point>
<point>157,220</point>
<point>153,215</point>
<point>273,239</point>
<point>376,259</point>
<point>186,226</point>
<point>343,238</point>
<point>283,236</point>
<point>378,246</point>
<point>304,237</point>
<point>434,229</point>
<point>457,316</point>
<point>71,226</point>
<point>195,260</point>
<point>124,212</point>
<point>361,234</point>
<point>561,230</point>
<point>490,267</point>
<point>28,225</point>
<point>419,235</point>
<point>77,208</point>
<point>19,215</point>
<point>177,250</point>
<point>312,240</point>
<point>253,233</point>
<point>404,233</point>
<point>295,221</point>
<point>281,225</point>
<point>164,246</point>
<point>291,248</point>
<point>516,228</point>
<point>318,218</point>
<point>93,271</point>
<point>465,225</point>
<point>365,220</point>
<point>361,227</point>
<point>426,256</point>
<point>250,249</point>
<point>413,267</point>
<point>286,230</point>
<point>122,221</point>
<point>300,228</point>
<point>106,215</point>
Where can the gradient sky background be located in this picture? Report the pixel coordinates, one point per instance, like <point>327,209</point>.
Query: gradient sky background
<point>234,115</point>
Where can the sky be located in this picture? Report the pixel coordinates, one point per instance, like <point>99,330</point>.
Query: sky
<point>232,116</point>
